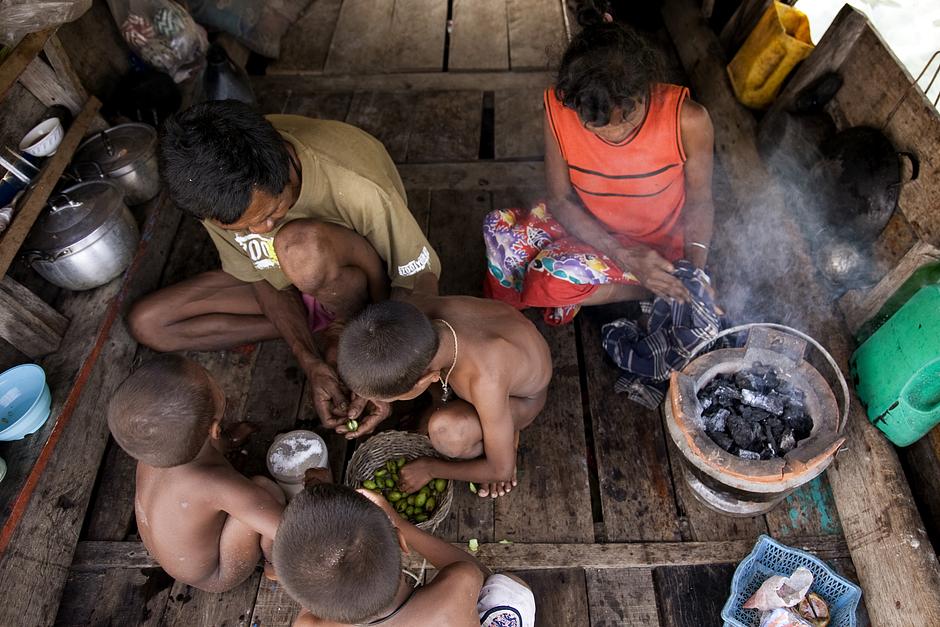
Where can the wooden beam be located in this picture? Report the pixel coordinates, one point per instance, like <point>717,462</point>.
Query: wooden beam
<point>313,82</point>
<point>27,322</point>
<point>473,175</point>
<point>21,56</point>
<point>896,564</point>
<point>36,196</point>
<point>91,556</point>
<point>859,307</point>
<point>43,82</point>
<point>62,65</point>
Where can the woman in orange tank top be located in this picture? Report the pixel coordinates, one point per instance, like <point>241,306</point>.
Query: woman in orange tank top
<point>628,163</point>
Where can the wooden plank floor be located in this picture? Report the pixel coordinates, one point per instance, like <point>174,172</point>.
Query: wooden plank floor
<point>592,469</point>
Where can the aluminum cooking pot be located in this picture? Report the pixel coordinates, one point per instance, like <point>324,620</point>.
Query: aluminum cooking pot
<point>126,154</point>
<point>86,236</point>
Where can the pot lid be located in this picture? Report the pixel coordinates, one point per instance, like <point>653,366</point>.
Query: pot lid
<point>74,214</point>
<point>118,147</point>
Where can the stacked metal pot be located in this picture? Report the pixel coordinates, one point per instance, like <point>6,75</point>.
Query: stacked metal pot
<point>87,236</point>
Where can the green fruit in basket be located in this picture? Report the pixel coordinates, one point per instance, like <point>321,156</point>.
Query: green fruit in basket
<point>394,496</point>
<point>369,484</point>
<point>440,485</point>
<point>389,483</point>
<point>410,511</point>
<point>381,472</point>
<point>411,499</point>
<point>395,477</point>
<point>429,504</point>
<point>401,461</point>
<point>400,507</point>
<point>420,500</point>
<point>391,465</point>
<point>352,425</point>
<point>426,491</point>
<point>421,518</point>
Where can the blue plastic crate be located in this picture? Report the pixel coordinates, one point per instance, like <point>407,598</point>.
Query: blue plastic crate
<point>770,558</point>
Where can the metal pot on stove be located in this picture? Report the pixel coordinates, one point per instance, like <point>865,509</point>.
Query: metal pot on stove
<point>84,238</point>
<point>125,154</point>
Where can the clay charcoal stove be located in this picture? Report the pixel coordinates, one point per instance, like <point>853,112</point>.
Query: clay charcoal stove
<point>754,413</point>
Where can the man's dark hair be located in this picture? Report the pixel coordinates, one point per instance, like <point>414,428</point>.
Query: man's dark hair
<point>337,554</point>
<point>386,349</point>
<point>214,154</point>
<point>606,65</point>
<point>161,413</point>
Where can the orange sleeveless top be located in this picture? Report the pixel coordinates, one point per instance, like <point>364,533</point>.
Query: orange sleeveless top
<point>635,187</point>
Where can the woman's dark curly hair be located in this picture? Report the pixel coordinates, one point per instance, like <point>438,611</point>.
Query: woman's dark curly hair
<point>606,65</point>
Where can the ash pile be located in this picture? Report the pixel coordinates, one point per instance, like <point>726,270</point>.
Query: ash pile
<point>754,414</point>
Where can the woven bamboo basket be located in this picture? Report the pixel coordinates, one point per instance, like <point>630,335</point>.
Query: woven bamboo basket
<point>372,455</point>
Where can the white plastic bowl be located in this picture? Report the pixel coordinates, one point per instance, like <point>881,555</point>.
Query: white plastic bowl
<point>44,139</point>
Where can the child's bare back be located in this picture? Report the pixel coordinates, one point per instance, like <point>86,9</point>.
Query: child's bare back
<point>205,523</point>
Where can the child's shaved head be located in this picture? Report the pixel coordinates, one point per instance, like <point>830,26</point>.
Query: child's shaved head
<point>386,349</point>
<point>161,414</point>
<point>337,554</point>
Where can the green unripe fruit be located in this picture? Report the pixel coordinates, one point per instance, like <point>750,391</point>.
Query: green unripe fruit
<point>368,484</point>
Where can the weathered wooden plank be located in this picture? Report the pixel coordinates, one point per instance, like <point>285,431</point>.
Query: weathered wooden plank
<point>114,597</point>
<point>42,81</point>
<point>325,106</point>
<point>922,464</point>
<point>536,32</point>
<point>692,596</point>
<point>360,36</point>
<point>419,202</point>
<point>560,596</point>
<point>306,43</point>
<point>519,114</point>
<point>741,24</point>
<point>636,489</point>
<point>860,306</point>
<point>20,57</point>
<point>456,218</point>
<point>898,570</point>
<point>273,606</point>
<point>92,556</point>
<point>622,597</point>
<point>188,606</point>
<point>810,511</point>
<point>38,550</point>
<point>308,82</point>
<point>480,36</point>
<point>27,322</point>
<point>474,175</point>
<point>415,40</point>
<point>111,513</point>
<point>36,196</point>
<point>389,116</point>
<point>446,126</point>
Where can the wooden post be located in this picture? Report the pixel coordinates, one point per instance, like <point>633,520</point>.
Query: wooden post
<point>27,322</point>
<point>896,564</point>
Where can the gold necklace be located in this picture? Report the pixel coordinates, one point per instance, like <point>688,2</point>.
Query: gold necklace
<point>446,388</point>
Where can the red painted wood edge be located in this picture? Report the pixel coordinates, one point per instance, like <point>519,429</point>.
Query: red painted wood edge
<point>78,386</point>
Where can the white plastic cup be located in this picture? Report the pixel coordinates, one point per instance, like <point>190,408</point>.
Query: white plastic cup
<point>44,139</point>
<point>291,454</point>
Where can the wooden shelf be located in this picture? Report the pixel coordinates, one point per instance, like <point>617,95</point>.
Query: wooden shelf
<point>20,57</point>
<point>38,193</point>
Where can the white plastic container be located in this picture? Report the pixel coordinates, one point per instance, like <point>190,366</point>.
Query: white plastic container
<point>291,454</point>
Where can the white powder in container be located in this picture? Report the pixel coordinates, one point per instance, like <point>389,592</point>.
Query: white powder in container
<point>293,453</point>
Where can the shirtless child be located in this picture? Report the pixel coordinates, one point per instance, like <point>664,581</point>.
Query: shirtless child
<point>338,553</point>
<point>484,352</point>
<point>205,523</point>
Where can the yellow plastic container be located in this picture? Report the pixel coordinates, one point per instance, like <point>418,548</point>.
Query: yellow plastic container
<point>778,42</point>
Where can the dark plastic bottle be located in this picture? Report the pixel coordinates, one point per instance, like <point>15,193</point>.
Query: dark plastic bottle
<point>223,80</point>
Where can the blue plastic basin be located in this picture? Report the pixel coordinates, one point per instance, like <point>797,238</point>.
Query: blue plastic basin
<point>25,401</point>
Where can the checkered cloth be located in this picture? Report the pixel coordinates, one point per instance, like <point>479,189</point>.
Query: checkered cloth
<point>648,356</point>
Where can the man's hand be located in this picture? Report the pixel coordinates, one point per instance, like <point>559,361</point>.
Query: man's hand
<point>653,271</point>
<point>317,476</point>
<point>415,474</point>
<point>327,393</point>
<point>376,412</point>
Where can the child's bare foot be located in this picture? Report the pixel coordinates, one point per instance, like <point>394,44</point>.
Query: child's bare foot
<point>500,488</point>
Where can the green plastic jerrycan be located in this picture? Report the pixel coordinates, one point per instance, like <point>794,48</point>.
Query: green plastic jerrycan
<point>897,370</point>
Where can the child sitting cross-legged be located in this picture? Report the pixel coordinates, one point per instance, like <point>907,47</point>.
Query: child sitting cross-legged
<point>206,523</point>
<point>338,552</point>
<point>489,355</point>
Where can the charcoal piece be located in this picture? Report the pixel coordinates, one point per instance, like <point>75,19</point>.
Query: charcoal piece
<point>748,380</point>
<point>746,454</point>
<point>769,441</point>
<point>767,453</point>
<point>746,434</point>
<point>801,424</point>
<point>777,427</point>
<point>787,442</point>
<point>721,439</point>
<point>716,422</point>
<point>706,402</point>
<point>771,402</point>
<point>725,391</point>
